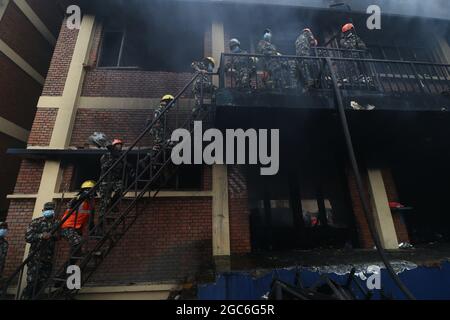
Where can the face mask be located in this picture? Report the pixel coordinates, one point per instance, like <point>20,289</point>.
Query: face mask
<point>3,233</point>
<point>48,214</point>
<point>268,37</point>
<point>210,68</point>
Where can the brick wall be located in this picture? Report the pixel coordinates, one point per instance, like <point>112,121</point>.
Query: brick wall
<point>60,63</point>
<point>41,132</point>
<point>29,177</point>
<point>19,217</point>
<point>239,211</point>
<point>170,241</point>
<point>133,83</point>
<point>364,236</point>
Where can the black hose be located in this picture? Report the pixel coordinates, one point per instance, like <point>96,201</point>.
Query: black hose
<point>359,183</point>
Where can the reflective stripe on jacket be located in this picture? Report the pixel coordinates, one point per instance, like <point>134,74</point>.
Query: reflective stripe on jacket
<point>79,217</point>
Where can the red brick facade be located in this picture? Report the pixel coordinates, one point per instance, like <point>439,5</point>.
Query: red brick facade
<point>60,63</point>
<point>239,211</point>
<point>29,177</point>
<point>41,132</point>
<point>20,214</point>
<point>170,241</point>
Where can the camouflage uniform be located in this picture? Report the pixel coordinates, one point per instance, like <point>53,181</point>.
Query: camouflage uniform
<point>277,70</point>
<point>158,129</point>
<point>3,253</point>
<point>205,80</point>
<point>242,68</point>
<point>113,183</point>
<point>303,47</point>
<point>40,266</point>
<point>351,41</point>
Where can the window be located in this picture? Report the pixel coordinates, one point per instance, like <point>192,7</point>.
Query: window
<point>147,46</point>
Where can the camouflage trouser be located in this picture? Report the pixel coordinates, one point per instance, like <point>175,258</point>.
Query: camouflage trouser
<point>278,74</point>
<point>38,272</point>
<point>158,136</point>
<point>305,69</point>
<point>208,90</point>
<point>242,78</point>
<point>109,193</point>
<point>72,236</point>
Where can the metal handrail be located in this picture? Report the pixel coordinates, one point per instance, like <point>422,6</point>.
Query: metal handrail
<point>94,190</point>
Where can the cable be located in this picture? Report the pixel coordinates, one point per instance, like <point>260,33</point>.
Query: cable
<point>365,205</point>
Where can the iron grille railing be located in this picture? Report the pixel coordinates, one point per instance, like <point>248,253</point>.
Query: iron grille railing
<point>145,170</point>
<point>311,73</point>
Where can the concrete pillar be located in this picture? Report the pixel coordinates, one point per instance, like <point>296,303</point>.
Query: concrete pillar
<point>220,212</point>
<point>381,211</point>
<point>218,44</point>
<point>51,176</point>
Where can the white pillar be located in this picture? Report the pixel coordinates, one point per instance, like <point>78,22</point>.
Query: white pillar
<point>62,131</point>
<point>220,212</point>
<point>381,211</point>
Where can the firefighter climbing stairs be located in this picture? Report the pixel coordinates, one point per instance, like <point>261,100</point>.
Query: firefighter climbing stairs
<point>152,172</point>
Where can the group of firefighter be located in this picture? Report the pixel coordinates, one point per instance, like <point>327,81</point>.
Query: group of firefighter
<point>43,232</point>
<point>278,73</point>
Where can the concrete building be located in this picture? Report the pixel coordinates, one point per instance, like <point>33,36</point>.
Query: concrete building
<point>28,32</point>
<point>109,76</point>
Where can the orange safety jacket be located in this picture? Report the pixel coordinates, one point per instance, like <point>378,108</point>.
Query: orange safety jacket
<point>79,217</point>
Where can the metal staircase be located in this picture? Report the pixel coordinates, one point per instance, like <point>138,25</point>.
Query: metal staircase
<point>152,170</point>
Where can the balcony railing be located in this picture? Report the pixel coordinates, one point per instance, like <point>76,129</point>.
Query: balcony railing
<point>354,69</point>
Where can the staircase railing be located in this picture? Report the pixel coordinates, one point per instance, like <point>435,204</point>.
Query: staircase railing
<point>151,173</point>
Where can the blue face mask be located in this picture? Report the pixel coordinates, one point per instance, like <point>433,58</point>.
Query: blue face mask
<point>210,68</point>
<point>268,37</point>
<point>3,233</point>
<point>48,214</point>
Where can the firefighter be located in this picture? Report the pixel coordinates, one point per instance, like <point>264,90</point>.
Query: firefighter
<point>241,67</point>
<point>111,187</point>
<point>158,130</point>
<point>303,46</point>
<point>82,216</point>
<point>351,41</point>
<point>39,235</point>
<point>274,70</point>
<point>205,66</point>
<point>3,246</point>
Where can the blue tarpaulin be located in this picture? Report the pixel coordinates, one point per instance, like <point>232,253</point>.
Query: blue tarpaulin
<point>423,282</point>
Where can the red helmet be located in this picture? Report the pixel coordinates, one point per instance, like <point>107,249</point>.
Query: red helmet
<point>347,27</point>
<point>117,141</point>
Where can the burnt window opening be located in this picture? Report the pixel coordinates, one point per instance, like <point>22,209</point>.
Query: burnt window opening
<point>186,178</point>
<point>145,46</point>
<point>301,214</point>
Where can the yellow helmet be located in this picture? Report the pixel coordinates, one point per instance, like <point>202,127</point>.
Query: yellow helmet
<point>88,184</point>
<point>167,97</point>
<point>211,59</point>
